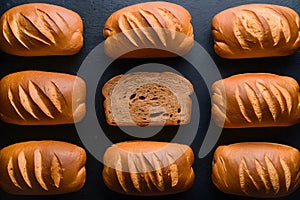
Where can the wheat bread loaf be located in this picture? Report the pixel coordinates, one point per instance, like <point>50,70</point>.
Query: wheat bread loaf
<point>42,98</point>
<point>261,170</point>
<point>256,30</point>
<point>42,168</point>
<point>147,30</point>
<point>146,168</point>
<point>256,100</point>
<point>40,29</point>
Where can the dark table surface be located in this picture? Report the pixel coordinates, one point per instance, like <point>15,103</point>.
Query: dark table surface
<point>94,14</point>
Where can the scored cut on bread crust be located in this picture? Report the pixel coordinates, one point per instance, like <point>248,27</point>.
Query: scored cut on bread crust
<point>147,98</point>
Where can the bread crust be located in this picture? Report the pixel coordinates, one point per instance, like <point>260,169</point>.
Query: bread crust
<point>147,30</point>
<point>147,98</point>
<point>148,168</point>
<point>39,29</point>
<point>256,30</point>
<point>42,98</point>
<point>42,168</point>
<point>263,170</point>
<point>256,100</point>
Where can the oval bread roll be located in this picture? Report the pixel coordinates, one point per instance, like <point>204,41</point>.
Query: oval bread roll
<point>146,30</point>
<point>42,98</point>
<point>263,170</point>
<point>256,30</point>
<point>39,29</point>
<point>42,168</point>
<point>148,168</point>
<point>256,100</point>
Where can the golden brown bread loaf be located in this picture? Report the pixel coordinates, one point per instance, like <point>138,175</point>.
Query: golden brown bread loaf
<point>256,100</point>
<point>256,30</point>
<point>39,29</point>
<point>42,168</point>
<point>263,170</point>
<point>148,168</point>
<point>42,98</point>
<point>148,98</point>
<point>146,30</point>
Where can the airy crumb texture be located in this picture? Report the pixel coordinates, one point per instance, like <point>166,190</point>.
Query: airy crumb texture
<point>147,98</point>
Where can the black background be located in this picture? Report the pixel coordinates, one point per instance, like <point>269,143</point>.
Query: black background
<point>94,14</point>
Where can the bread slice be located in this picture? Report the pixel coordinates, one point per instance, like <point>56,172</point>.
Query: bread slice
<point>147,98</point>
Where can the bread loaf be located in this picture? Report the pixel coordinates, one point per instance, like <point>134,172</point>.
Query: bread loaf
<point>148,168</point>
<point>256,30</point>
<point>263,170</point>
<point>42,98</point>
<point>256,100</point>
<point>42,168</point>
<point>147,98</point>
<point>39,29</point>
<point>146,30</point>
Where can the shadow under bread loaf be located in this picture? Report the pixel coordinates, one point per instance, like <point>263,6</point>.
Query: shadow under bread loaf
<point>42,98</point>
<point>148,168</point>
<point>147,30</point>
<point>39,29</point>
<point>256,100</point>
<point>256,30</point>
<point>263,170</point>
<point>42,168</point>
<point>148,98</point>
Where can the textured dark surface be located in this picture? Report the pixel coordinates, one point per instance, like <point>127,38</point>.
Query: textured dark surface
<point>94,14</point>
